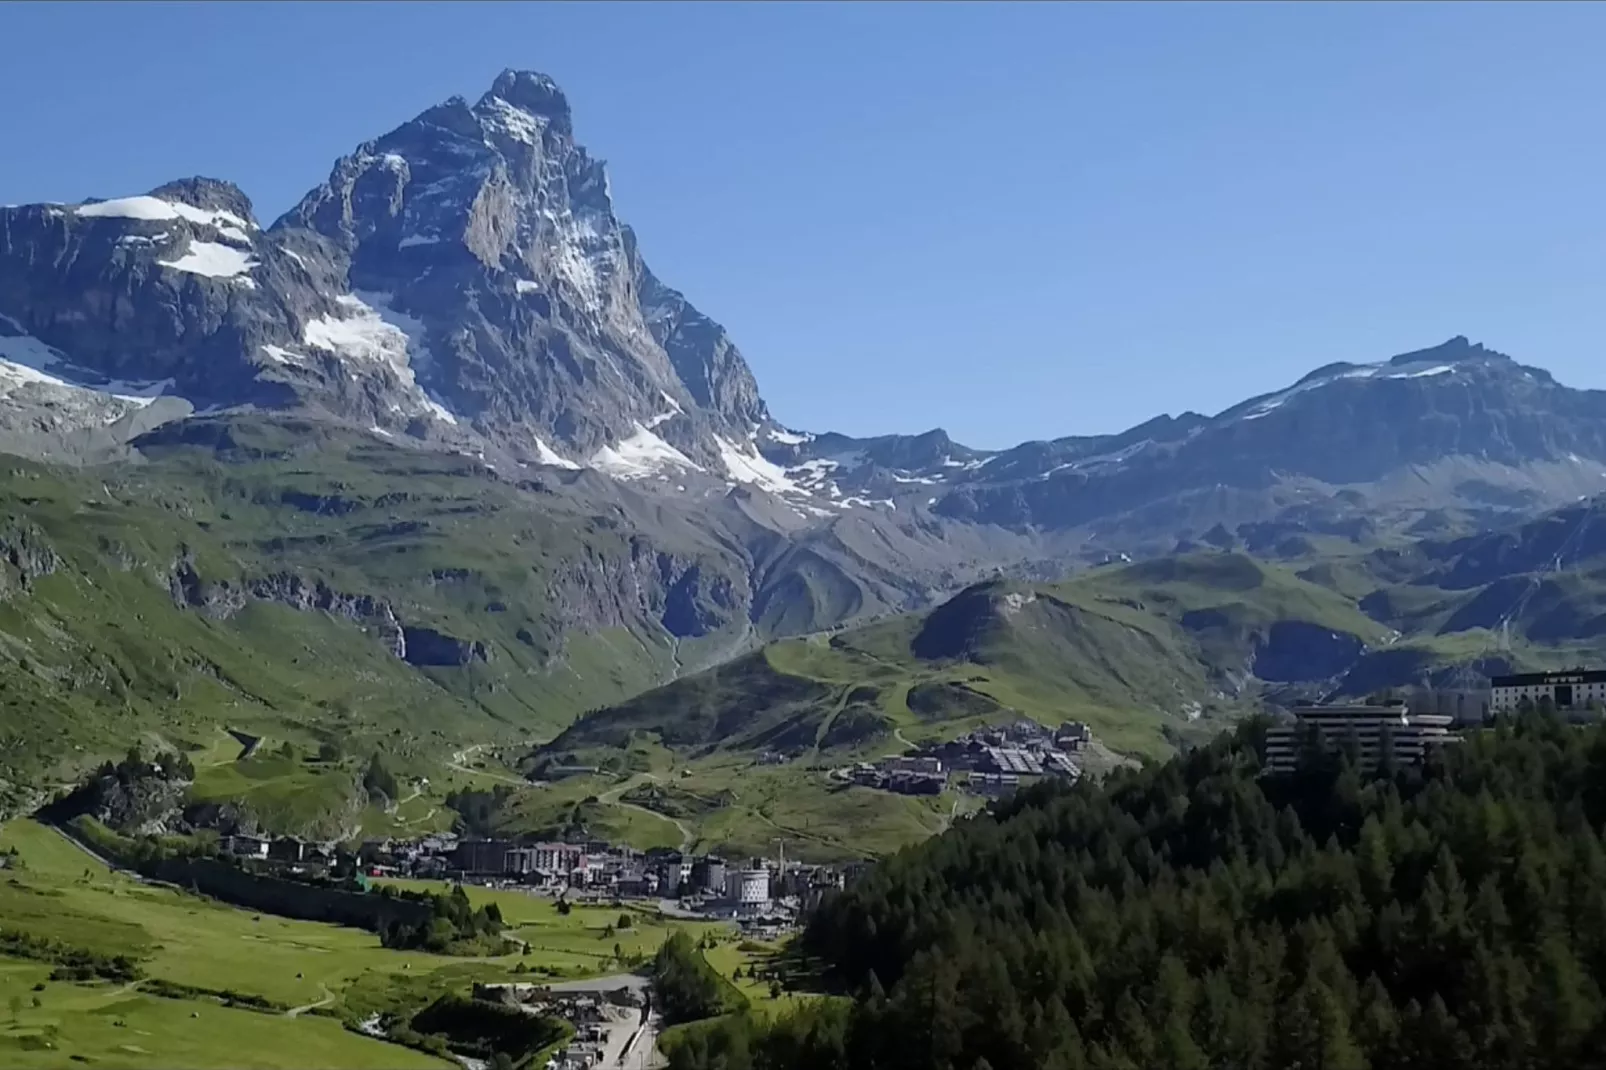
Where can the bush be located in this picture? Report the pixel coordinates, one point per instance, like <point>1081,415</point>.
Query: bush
<point>455,927</point>
<point>483,1030</point>
<point>227,996</point>
<point>73,964</point>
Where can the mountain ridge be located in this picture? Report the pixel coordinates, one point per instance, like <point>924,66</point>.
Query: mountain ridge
<point>464,279</point>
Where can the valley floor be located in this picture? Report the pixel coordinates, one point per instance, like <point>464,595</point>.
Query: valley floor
<point>315,979</point>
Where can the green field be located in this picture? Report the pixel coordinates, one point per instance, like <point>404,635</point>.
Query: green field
<point>111,1025</point>
<point>57,890</point>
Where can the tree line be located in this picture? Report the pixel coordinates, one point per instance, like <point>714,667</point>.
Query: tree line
<point>1199,914</point>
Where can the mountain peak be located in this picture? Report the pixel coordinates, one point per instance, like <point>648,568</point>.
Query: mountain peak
<point>1454,351</point>
<point>530,91</point>
<point>212,194</point>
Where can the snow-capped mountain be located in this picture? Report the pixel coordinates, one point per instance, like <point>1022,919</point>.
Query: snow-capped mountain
<point>1347,448</point>
<point>461,278</point>
<point>463,282</point>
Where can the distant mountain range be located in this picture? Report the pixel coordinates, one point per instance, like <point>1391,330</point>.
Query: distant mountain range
<point>444,401</point>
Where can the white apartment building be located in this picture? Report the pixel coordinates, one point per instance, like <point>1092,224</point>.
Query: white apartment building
<point>1571,690</point>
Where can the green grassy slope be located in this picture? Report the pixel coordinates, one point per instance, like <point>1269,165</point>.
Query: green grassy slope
<point>124,606</point>
<point>1137,651</point>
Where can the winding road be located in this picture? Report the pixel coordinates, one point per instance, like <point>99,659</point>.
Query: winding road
<point>460,763</point>
<point>615,797</point>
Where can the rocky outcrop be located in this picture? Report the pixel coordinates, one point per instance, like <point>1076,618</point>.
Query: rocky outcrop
<point>689,597</point>
<point>136,796</point>
<point>415,644</point>
<point>703,356</point>
<point>1295,651</point>
<point>428,647</point>
<point>695,605</point>
<point>25,548</point>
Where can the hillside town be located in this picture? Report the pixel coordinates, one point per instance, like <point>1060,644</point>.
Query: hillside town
<point>764,896</point>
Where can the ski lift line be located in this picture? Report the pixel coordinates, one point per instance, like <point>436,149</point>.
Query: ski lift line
<point>1464,673</point>
<point>1535,581</point>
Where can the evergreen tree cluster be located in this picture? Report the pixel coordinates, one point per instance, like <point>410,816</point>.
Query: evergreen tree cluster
<point>455,926</point>
<point>686,988</point>
<point>1197,915</point>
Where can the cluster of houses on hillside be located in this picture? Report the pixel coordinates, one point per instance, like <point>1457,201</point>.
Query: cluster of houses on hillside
<point>988,761</point>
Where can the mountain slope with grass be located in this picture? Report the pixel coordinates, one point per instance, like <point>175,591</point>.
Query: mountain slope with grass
<point>298,581</point>
<point>1151,653</point>
<point>1148,654</point>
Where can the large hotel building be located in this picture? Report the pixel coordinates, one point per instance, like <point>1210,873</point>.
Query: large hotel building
<point>1410,734</point>
<point>1571,690</point>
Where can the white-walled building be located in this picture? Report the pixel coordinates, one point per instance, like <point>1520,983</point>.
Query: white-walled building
<point>1571,690</point>
<point>748,887</point>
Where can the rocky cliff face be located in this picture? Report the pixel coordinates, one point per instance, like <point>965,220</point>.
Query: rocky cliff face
<point>461,279</point>
<point>492,228</point>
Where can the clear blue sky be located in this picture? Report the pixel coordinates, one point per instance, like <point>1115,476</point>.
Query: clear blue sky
<point>1012,221</point>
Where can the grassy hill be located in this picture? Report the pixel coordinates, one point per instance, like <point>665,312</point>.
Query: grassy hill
<point>1150,654</point>
<point>301,584</point>
<point>1142,652</point>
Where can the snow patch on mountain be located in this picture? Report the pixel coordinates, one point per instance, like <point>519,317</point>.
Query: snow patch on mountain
<point>1264,406</point>
<point>281,355</point>
<point>215,261</point>
<point>130,240</point>
<point>641,455</point>
<point>551,458</point>
<point>371,332</point>
<point>751,467</point>
<point>25,361</point>
<point>499,116</point>
<point>1437,369</point>
<point>156,209</point>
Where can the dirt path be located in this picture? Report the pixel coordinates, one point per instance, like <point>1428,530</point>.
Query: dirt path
<point>433,810</point>
<point>328,998</point>
<point>615,796</point>
<point>460,763</point>
<point>829,719</point>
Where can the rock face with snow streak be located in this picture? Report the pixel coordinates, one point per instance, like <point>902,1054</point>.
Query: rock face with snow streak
<point>460,278</point>
<point>492,227</point>
<point>179,295</point>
